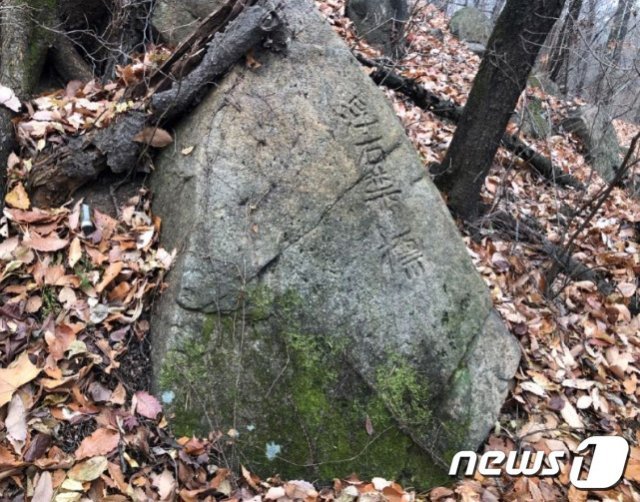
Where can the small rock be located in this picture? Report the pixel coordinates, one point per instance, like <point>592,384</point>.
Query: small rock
<point>476,48</point>
<point>471,25</point>
<point>592,125</point>
<point>380,22</point>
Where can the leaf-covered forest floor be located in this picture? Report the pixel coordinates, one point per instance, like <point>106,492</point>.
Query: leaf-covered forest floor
<point>579,371</point>
<point>78,422</point>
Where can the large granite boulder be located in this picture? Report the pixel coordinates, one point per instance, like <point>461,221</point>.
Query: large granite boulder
<point>471,25</point>
<point>323,306</point>
<point>380,22</point>
<point>176,19</point>
<point>593,126</point>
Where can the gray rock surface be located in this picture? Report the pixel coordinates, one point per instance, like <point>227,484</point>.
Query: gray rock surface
<point>323,304</point>
<point>176,19</point>
<point>541,80</point>
<point>471,25</point>
<point>380,22</point>
<point>534,119</point>
<point>476,48</point>
<point>592,125</point>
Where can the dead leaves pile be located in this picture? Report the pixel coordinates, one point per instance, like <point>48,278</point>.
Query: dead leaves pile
<point>51,118</point>
<point>581,350</point>
<point>73,304</point>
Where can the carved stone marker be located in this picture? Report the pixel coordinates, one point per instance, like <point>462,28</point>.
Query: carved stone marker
<point>323,305</point>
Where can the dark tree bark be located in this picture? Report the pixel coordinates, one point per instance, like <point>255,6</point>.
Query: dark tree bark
<point>67,60</point>
<point>512,50</point>
<point>128,31</point>
<point>380,22</point>
<point>583,65</point>
<point>606,83</point>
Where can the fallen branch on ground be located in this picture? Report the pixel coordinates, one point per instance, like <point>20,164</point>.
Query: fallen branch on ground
<point>190,51</point>
<point>224,51</point>
<point>446,109</point>
<point>526,231</point>
<point>53,179</point>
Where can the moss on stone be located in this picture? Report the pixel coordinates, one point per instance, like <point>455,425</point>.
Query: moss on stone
<point>404,392</point>
<point>457,432</point>
<point>303,398</point>
<point>536,121</point>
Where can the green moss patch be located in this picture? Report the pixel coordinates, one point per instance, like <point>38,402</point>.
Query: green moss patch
<point>291,401</point>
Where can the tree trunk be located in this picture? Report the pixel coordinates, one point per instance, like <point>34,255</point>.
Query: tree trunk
<point>567,40</point>
<point>512,50</point>
<point>497,9</point>
<point>583,64</point>
<point>381,23</point>
<point>606,86</point>
<point>619,30</point>
<point>128,31</point>
<point>22,53</point>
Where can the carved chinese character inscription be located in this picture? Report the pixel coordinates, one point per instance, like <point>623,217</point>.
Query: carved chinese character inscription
<point>400,251</point>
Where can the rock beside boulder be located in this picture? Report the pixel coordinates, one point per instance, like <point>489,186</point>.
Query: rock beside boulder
<point>476,48</point>
<point>323,305</point>
<point>541,80</point>
<point>593,126</point>
<point>471,25</point>
<point>176,19</point>
<point>380,22</point>
<point>535,120</point>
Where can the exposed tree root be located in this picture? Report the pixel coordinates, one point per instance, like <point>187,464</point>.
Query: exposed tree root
<point>67,60</point>
<point>253,24</point>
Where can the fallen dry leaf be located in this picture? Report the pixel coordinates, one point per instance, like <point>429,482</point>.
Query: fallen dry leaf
<point>146,405</point>
<point>101,442</point>
<point>88,470</point>
<point>154,136</point>
<point>16,422</point>
<point>45,244</point>
<point>110,274</point>
<point>43,490</point>
<point>20,372</point>
<point>75,252</point>
<point>165,483</point>
<point>9,99</point>
<point>18,198</point>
